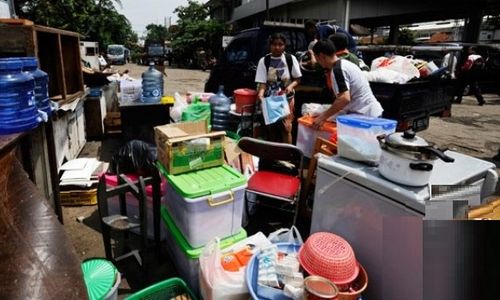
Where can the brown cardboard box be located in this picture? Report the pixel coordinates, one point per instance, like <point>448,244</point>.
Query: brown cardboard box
<point>174,152</point>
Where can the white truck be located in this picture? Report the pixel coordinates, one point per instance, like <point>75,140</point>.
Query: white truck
<point>89,52</point>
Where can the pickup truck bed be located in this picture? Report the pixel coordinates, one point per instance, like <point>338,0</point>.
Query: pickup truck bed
<point>412,103</point>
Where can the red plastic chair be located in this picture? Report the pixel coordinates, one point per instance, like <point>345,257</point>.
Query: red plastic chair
<point>281,183</point>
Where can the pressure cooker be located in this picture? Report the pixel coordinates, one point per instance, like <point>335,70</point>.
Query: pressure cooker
<point>408,159</point>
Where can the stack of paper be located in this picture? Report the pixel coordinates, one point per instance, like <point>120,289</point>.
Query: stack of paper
<point>82,172</point>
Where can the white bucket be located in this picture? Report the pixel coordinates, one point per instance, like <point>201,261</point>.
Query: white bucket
<point>113,293</point>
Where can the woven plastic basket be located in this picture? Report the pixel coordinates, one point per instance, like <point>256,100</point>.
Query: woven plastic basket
<point>330,256</point>
<point>167,289</point>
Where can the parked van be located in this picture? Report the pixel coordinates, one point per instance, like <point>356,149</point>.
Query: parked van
<point>89,53</point>
<point>117,54</point>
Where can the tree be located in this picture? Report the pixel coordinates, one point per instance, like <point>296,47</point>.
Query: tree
<point>96,20</point>
<point>157,33</point>
<point>196,31</point>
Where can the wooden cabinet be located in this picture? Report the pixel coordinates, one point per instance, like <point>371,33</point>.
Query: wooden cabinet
<point>58,53</point>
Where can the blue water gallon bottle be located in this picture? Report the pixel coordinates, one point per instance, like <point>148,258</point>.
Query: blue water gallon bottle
<point>17,104</point>
<point>42,101</point>
<point>221,107</point>
<point>152,85</point>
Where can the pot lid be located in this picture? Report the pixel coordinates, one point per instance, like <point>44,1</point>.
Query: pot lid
<point>407,138</point>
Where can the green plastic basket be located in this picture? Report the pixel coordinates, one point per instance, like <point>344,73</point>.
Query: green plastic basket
<point>166,289</point>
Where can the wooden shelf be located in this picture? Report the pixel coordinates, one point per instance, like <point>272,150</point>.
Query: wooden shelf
<point>58,52</point>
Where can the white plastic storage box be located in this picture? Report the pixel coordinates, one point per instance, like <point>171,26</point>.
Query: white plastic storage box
<point>357,136</point>
<point>133,204</point>
<point>186,258</point>
<point>206,203</point>
<point>306,135</point>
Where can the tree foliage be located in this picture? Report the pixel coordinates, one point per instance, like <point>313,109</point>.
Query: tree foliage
<point>96,20</point>
<point>156,33</point>
<point>196,31</point>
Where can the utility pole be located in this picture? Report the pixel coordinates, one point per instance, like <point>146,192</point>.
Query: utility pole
<point>267,10</point>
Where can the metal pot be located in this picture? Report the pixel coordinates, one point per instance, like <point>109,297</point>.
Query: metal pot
<point>408,159</point>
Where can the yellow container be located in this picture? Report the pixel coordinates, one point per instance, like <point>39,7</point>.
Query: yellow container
<point>78,197</point>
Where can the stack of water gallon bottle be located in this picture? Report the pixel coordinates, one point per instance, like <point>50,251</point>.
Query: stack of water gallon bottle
<point>24,98</point>
<point>200,204</point>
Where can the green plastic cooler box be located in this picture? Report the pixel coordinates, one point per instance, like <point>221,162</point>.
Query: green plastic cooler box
<point>206,203</point>
<point>184,256</point>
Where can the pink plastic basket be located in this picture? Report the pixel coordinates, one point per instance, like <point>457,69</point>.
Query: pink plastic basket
<point>330,256</point>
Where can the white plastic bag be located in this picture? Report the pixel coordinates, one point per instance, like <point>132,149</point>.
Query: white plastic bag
<point>387,76</point>
<point>130,90</point>
<point>274,108</point>
<point>179,105</point>
<point>314,109</point>
<point>397,63</point>
<point>286,235</point>
<point>217,283</point>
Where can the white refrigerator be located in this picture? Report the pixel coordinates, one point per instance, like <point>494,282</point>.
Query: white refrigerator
<point>382,220</point>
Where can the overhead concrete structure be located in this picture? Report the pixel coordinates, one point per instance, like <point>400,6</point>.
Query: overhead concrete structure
<point>368,13</point>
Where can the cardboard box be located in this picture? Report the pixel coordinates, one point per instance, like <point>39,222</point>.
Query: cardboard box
<point>178,153</point>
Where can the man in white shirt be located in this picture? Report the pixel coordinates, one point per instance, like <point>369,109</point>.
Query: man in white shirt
<point>349,85</point>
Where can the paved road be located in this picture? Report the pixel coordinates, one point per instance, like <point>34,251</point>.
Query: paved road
<point>472,129</point>
<point>177,80</point>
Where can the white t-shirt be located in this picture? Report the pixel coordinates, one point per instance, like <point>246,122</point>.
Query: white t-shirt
<point>277,67</point>
<point>349,77</point>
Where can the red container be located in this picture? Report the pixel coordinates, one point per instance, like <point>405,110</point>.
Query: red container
<point>245,98</point>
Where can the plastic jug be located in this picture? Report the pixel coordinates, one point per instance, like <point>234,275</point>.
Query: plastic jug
<point>17,106</point>
<point>152,85</point>
<point>42,101</point>
<point>221,106</point>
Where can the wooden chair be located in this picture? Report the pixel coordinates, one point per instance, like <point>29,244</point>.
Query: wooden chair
<point>320,146</point>
<point>122,222</point>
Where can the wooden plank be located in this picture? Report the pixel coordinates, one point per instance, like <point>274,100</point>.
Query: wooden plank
<point>16,40</point>
<point>56,31</point>
<point>16,21</point>
<point>61,76</point>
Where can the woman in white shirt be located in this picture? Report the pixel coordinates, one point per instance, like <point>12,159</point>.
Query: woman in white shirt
<point>278,73</point>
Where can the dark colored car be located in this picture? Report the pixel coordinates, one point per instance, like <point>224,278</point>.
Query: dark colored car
<point>238,63</point>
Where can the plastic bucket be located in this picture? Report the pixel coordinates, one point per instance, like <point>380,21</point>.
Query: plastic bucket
<point>113,293</point>
<point>245,97</point>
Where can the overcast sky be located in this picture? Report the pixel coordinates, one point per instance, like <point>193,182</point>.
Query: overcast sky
<point>143,12</point>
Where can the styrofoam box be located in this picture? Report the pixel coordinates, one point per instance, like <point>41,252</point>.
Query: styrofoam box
<point>306,137</point>
<point>133,207</point>
<point>203,218</point>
